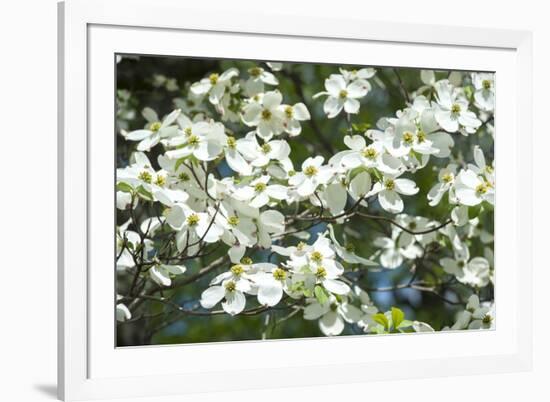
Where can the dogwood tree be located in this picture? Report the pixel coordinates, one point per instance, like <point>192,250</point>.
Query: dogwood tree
<point>280,197</point>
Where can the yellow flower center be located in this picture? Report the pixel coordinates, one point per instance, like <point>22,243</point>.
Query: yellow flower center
<point>279,274</point>
<point>408,137</point>
<point>214,78</point>
<point>487,319</point>
<point>482,188</point>
<point>188,131</point>
<point>145,176</point>
<point>321,273</point>
<point>369,153</point>
<point>193,220</point>
<point>237,270</point>
<point>155,126</point>
<point>233,220</point>
<point>266,148</point>
<point>316,256</point>
<point>193,140</point>
<point>161,181</point>
<point>486,84</point>
<point>421,136</point>
<point>310,171</point>
<point>289,112</point>
<point>300,246</point>
<point>266,114</point>
<point>230,286</point>
<point>231,142</point>
<point>389,184</point>
<point>246,260</point>
<point>343,94</point>
<point>455,108</point>
<point>255,71</point>
<point>447,177</point>
<point>259,187</point>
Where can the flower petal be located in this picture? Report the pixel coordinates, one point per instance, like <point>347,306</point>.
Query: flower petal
<point>331,324</point>
<point>234,303</point>
<point>212,296</point>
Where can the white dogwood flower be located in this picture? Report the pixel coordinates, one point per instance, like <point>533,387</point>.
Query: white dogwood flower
<point>389,190</point>
<point>475,316</point>
<point>409,137</point>
<point>266,115</point>
<point>484,85</point>
<point>481,167</point>
<point>122,311</point>
<point>474,272</point>
<point>232,291</point>
<point>270,223</point>
<point>259,192</point>
<point>271,285</point>
<point>318,266</point>
<point>332,315</point>
<point>452,110</point>
<point>472,189</point>
<point>260,155</point>
<point>215,85</point>
<point>203,140</point>
<point>361,74</point>
<point>483,314</point>
<point>155,129</point>
<point>293,115</point>
<point>192,226</point>
<point>141,176</point>
<point>343,96</point>
<point>312,175</point>
<point>258,77</point>
<point>235,159</point>
<point>162,273</point>
<point>394,249</point>
<point>446,178</point>
<point>372,156</point>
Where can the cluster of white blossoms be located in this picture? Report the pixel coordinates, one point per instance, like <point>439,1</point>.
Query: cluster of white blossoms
<point>213,187</point>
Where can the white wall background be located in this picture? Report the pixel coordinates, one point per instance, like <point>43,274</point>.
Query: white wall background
<point>28,198</point>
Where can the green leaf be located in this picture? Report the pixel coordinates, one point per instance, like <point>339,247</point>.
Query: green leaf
<point>360,127</point>
<point>381,319</point>
<point>397,317</point>
<point>376,173</point>
<point>473,212</point>
<point>144,193</point>
<point>124,187</point>
<point>405,324</point>
<point>178,164</point>
<point>320,294</point>
<point>469,92</point>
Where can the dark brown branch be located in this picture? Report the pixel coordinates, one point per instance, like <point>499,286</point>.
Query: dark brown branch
<point>402,86</point>
<point>421,232</point>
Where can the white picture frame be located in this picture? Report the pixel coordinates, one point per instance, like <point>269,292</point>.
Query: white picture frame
<point>92,31</point>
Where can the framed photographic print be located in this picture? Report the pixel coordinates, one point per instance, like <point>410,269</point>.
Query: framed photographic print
<point>306,203</point>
